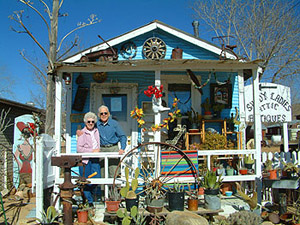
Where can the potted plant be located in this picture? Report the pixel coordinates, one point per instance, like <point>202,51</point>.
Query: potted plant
<point>49,217</point>
<point>290,169</point>
<point>243,171</point>
<point>113,201</point>
<point>134,217</point>
<point>176,197</point>
<point>193,199</point>
<point>193,117</point>
<point>207,106</point>
<point>155,198</point>
<point>270,169</point>
<point>229,171</point>
<point>248,161</point>
<point>83,212</point>
<point>212,184</point>
<point>217,109</point>
<point>128,192</point>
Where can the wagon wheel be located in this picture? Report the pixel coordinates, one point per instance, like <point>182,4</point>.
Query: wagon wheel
<point>154,48</point>
<point>160,164</point>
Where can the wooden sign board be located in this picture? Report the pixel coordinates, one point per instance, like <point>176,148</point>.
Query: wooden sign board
<point>77,118</point>
<point>274,103</point>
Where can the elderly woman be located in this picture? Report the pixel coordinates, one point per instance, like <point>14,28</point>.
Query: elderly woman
<point>89,141</point>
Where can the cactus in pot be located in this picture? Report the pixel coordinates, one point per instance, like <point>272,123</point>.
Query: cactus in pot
<point>129,191</point>
<point>212,181</point>
<point>244,217</point>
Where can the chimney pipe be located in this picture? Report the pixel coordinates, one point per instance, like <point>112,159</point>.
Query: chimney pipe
<point>196,28</point>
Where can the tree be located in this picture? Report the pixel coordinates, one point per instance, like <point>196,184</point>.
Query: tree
<point>51,23</point>
<point>262,29</point>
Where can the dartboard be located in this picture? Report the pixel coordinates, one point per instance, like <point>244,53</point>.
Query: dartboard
<point>128,50</point>
<point>154,48</point>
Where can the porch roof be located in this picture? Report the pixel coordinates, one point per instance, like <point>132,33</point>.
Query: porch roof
<point>162,64</point>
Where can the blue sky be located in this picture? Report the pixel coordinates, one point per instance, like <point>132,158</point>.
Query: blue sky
<point>118,17</point>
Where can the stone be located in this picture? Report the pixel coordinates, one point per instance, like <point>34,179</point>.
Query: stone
<point>267,223</point>
<point>185,218</point>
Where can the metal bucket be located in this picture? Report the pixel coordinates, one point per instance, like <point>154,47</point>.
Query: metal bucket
<point>177,53</point>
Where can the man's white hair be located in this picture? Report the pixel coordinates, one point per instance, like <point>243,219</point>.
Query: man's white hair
<point>103,106</point>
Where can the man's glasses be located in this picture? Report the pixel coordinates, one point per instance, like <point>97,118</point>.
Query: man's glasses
<point>103,113</point>
<point>91,121</point>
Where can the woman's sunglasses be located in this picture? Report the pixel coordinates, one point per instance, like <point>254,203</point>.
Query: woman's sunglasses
<point>91,121</point>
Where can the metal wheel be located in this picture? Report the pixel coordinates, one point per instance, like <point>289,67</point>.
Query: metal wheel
<point>154,48</point>
<point>160,164</point>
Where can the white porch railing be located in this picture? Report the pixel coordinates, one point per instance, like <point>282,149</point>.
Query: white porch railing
<point>234,178</point>
<point>101,155</point>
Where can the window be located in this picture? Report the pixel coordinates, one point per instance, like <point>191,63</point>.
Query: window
<point>181,92</point>
<point>117,104</point>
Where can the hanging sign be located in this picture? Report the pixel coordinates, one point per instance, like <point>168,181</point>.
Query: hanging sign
<point>274,103</point>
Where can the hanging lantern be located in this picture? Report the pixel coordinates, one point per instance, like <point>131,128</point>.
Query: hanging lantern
<point>67,78</point>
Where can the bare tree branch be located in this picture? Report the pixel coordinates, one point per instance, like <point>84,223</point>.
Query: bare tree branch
<point>31,63</point>
<point>92,20</point>
<point>18,18</point>
<point>29,4</point>
<point>4,124</point>
<point>264,29</point>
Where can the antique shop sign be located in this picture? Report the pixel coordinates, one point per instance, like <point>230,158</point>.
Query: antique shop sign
<point>274,103</point>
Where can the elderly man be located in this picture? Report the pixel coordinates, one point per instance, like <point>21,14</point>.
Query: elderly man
<point>111,134</point>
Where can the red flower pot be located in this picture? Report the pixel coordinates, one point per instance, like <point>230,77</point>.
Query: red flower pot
<point>243,171</point>
<point>112,206</point>
<point>201,191</point>
<point>273,174</point>
<point>82,216</point>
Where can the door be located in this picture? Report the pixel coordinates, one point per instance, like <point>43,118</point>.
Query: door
<point>120,99</point>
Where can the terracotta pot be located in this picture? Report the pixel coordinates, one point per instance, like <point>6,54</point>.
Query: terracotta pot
<point>154,209</point>
<point>193,204</point>
<point>112,206</point>
<point>273,174</point>
<point>201,191</point>
<point>286,217</point>
<point>243,171</point>
<point>82,216</point>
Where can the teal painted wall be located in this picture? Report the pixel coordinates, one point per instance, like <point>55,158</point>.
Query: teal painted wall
<point>190,51</point>
<point>146,78</point>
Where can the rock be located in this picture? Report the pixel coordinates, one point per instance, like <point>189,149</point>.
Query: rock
<point>185,218</point>
<point>267,223</point>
